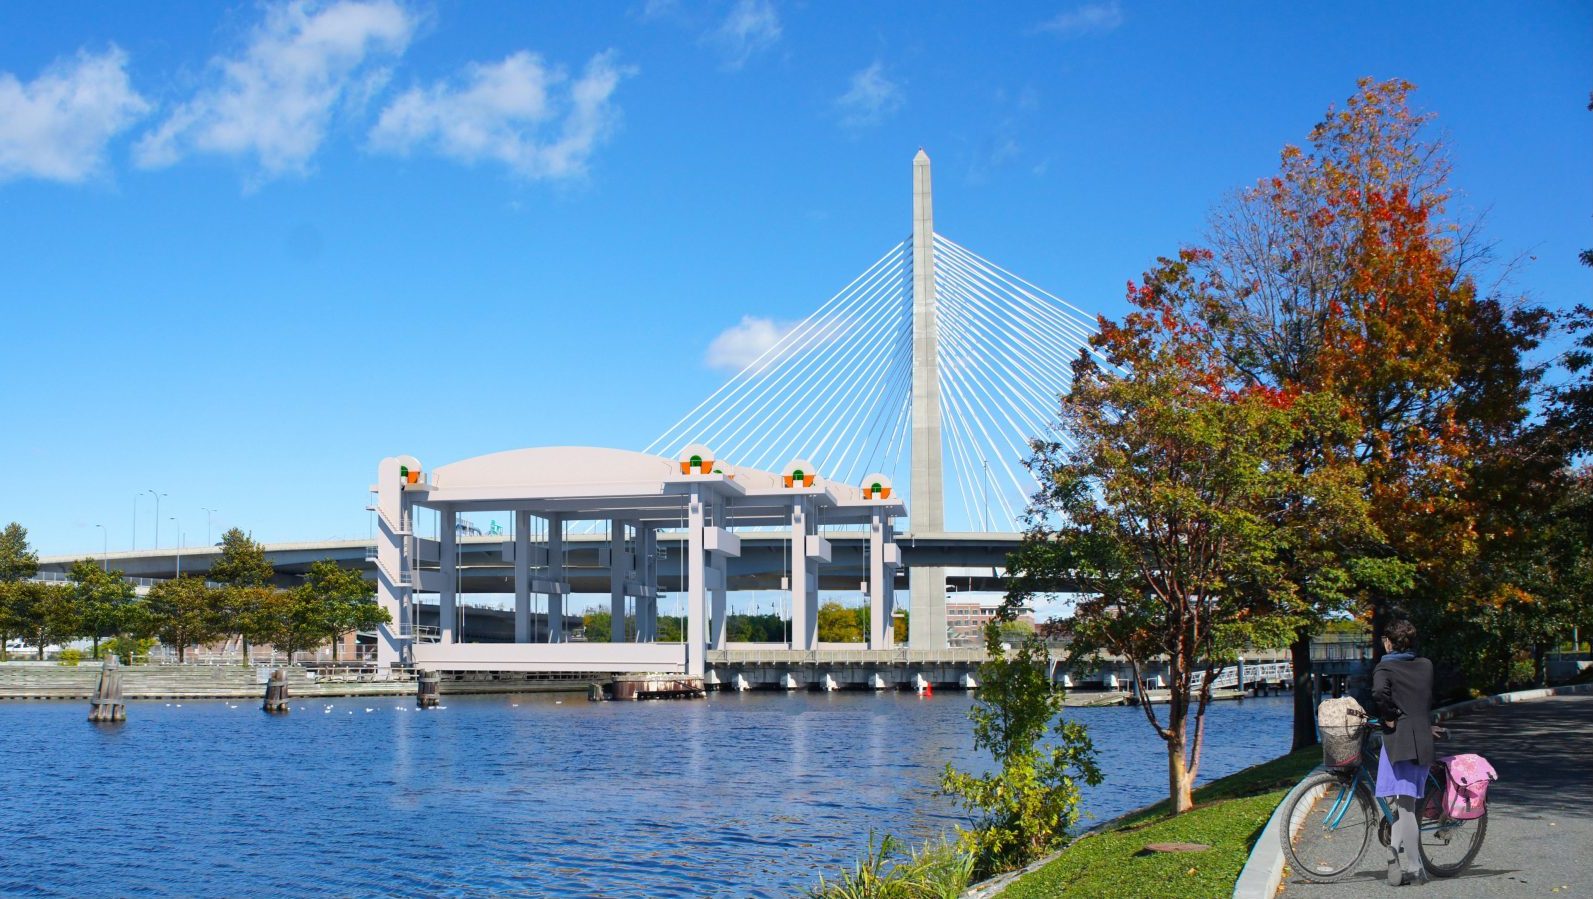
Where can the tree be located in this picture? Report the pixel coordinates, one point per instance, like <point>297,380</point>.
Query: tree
<point>241,568</point>
<point>1340,275</point>
<point>104,600</point>
<point>46,613</point>
<point>291,620</point>
<point>1174,503</point>
<point>347,599</point>
<point>184,612</point>
<point>597,623</point>
<point>1025,807</point>
<point>839,624</point>
<point>18,561</point>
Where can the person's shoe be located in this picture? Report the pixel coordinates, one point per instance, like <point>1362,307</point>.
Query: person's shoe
<point>1396,874</point>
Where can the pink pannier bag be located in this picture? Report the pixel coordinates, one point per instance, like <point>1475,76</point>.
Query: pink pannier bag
<point>1466,786</point>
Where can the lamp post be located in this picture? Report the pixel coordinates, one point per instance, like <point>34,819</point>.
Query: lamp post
<point>208,513</point>
<point>105,548</point>
<point>985,512</point>
<point>179,525</point>
<point>157,516</point>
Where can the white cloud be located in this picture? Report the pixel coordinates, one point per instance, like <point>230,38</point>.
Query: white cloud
<point>1091,18</point>
<point>520,112</point>
<point>741,344</point>
<point>870,98</point>
<point>57,125</point>
<point>751,27</point>
<point>274,101</point>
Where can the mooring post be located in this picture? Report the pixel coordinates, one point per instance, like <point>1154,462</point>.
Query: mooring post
<point>428,688</point>
<point>107,705</point>
<point>276,692</point>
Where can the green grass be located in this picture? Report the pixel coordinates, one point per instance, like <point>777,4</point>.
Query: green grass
<point>1228,815</point>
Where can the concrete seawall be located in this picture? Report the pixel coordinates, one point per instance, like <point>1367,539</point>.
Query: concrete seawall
<point>45,682</point>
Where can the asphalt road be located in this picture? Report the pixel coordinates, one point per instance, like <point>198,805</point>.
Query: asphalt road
<point>1540,812</point>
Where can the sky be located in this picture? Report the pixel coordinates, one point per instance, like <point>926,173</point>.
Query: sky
<point>249,249</point>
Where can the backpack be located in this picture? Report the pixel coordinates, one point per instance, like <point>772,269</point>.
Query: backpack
<point>1466,786</point>
<point>1340,722</point>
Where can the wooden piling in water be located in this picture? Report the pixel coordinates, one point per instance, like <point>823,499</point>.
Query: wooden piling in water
<point>428,689</point>
<point>107,705</point>
<point>276,692</point>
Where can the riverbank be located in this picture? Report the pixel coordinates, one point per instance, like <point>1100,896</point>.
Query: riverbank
<point>1114,862</point>
<point>169,682</point>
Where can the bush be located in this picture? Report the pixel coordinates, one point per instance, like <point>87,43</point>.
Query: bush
<point>69,657</point>
<point>934,871</point>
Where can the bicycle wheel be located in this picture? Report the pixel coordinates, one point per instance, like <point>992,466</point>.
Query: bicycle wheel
<point>1327,824</point>
<point>1448,844</point>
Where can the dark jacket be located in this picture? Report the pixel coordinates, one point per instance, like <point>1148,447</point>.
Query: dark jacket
<point>1403,691</point>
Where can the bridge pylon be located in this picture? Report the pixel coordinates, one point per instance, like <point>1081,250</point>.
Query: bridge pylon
<point>927,511</point>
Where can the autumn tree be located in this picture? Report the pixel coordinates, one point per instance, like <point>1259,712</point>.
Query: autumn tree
<point>184,612</point>
<point>839,624</point>
<point>1173,501</point>
<point>1341,276</point>
<point>104,600</point>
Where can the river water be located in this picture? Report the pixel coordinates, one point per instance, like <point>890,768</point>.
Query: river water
<point>752,794</point>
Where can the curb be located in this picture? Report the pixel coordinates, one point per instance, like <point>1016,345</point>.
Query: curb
<point>1263,872</point>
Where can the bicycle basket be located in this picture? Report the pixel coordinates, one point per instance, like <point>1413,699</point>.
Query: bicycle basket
<point>1341,722</point>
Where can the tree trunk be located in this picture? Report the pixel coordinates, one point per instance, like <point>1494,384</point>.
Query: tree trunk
<point>1304,712</point>
<point>96,646</point>
<point>182,653</point>
<point>1540,670</point>
<point>1179,794</point>
<point>245,642</point>
<point>336,638</point>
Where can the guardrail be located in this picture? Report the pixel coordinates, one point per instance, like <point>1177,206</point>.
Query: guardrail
<point>781,656</point>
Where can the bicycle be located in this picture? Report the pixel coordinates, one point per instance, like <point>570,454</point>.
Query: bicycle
<point>1328,819</point>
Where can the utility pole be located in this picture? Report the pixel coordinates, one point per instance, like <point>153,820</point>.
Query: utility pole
<point>157,516</point>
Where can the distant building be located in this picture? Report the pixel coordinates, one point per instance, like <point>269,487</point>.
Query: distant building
<point>966,619</point>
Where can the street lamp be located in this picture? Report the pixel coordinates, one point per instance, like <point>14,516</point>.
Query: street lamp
<point>173,520</point>
<point>105,550</point>
<point>157,516</point>
<point>208,513</point>
<point>134,547</point>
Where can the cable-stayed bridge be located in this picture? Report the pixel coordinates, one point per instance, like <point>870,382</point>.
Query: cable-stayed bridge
<point>927,375</point>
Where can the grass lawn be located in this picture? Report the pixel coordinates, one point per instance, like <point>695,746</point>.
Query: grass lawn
<point>1228,816</point>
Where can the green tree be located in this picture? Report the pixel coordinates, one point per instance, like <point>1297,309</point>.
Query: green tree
<point>10,614</point>
<point>347,599</point>
<point>839,624</point>
<point>184,612</point>
<point>18,561</point>
<point>47,613</point>
<point>241,568</point>
<point>1024,808</point>
<point>597,624</point>
<point>104,600</point>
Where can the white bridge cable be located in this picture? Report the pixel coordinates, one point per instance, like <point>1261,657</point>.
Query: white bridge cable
<point>1078,333</point>
<point>804,372</point>
<point>836,388</point>
<point>1029,382</point>
<point>966,400</point>
<point>743,412</point>
<point>849,362</point>
<point>680,430</point>
<point>956,417</point>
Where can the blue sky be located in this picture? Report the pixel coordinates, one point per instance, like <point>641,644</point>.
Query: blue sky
<point>238,239</point>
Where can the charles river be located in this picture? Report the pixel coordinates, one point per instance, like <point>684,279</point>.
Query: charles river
<point>751,794</point>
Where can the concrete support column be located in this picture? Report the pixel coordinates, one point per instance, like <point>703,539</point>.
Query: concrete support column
<point>696,593</point>
<point>716,626</point>
<point>522,577</point>
<point>804,584</point>
<point>618,568</point>
<point>647,574</point>
<point>448,562</point>
<point>555,572</point>
<point>881,584</point>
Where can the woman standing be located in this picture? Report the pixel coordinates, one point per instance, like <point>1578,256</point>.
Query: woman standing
<point>1402,687</point>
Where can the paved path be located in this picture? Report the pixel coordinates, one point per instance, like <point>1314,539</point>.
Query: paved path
<point>1540,813</point>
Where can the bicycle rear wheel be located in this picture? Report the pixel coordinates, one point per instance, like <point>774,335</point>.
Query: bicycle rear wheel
<point>1448,844</point>
<point>1327,824</point>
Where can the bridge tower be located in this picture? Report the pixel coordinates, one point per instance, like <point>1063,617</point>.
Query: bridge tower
<point>927,513</point>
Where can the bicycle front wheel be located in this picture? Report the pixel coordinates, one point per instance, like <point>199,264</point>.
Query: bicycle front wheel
<point>1448,844</point>
<point>1327,823</point>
